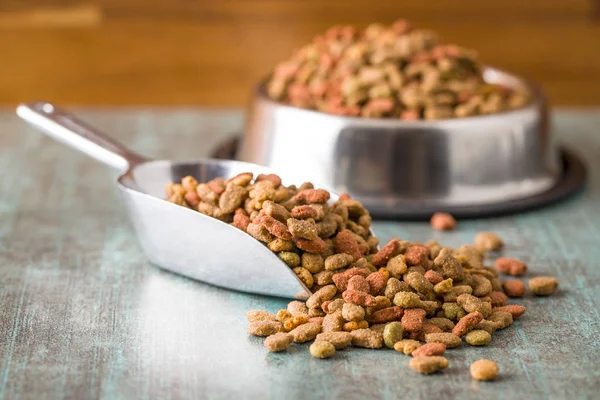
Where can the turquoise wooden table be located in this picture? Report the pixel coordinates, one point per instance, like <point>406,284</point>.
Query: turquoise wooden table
<point>83,315</point>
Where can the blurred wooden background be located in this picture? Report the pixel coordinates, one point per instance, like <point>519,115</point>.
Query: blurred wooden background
<point>211,52</point>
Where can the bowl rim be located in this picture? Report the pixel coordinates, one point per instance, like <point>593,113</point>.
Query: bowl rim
<point>490,74</point>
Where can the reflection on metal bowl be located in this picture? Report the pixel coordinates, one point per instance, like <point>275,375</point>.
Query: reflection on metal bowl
<point>393,165</point>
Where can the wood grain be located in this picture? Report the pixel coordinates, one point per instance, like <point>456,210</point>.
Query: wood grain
<point>183,52</point>
<point>84,315</point>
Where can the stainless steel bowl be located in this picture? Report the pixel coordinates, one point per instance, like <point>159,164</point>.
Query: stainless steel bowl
<point>395,166</point>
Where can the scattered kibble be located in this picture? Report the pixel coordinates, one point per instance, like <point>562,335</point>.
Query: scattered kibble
<point>443,222</point>
<point>484,370</point>
<point>488,241</point>
<point>511,266</point>
<point>514,288</point>
<point>396,296</point>
<point>543,285</point>
<point>393,71</point>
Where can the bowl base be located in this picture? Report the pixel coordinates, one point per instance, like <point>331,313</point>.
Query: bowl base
<point>571,181</point>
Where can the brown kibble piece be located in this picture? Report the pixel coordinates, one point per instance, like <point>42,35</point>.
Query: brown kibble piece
<point>323,278</point>
<point>515,310</point>
<point>317,298</point>
<point>340,340</point>
<point>367,338</point>
<point>543,285</point>
<point>278,342</point>
<point>313,262</point>
<point>264,328</point>
<point>297,307</point>
<point>484,370</point>
<point>514,288</point>
<point>442,222</point>
<point>333,322</point>
<point>260,315</point>
<point>449,339</point>
<point>428,365</point>
<point>276,211</point>
<point>304,229</point>
<point>511,266</point>
<point>417,255</point>
<point>430,349</point>
<point>305,276</point>
<point>418,282</point>
<point>444,324</point>
<point>499,299</point>
<point>502,319</point>
<point>488,241</point>
<point>397,266</point>
<point>305,332</point>
<point>353,312</point>
<point>337,261</point>
<point>345,242</point>
<point>275,179</point>
<point>467,323</point>
<point>450,266</point>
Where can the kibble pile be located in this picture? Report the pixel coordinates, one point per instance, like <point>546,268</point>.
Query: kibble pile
<point>419,299</point>
<point>391,71</point>
<point>315,239</point>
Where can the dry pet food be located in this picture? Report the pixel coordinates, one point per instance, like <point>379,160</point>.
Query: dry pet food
<point>322,349</point>
<point>397,296</point>
<point>429,365</point>
<point>443,222</point>
<point>279,341</point>
<point>484,370</point>
<point>543,285</point>
<point>394,71</point>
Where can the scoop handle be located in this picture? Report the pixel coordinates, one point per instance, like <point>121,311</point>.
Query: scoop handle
<point>66,128</point>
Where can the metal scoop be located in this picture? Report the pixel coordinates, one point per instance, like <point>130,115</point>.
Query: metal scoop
<point>173,237</point>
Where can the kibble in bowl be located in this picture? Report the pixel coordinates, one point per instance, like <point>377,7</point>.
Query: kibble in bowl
<point>402,121</point>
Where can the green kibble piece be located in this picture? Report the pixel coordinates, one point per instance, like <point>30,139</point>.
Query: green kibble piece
<point>392,333</point>
<point>407,300</point>
<point>453,311</point>
<point>478,338</point>
<point>290,258</point>
<point>322,349</point>
<point>443,287</point>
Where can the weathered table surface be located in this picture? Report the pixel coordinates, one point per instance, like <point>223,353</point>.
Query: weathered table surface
<point>83,315</point>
